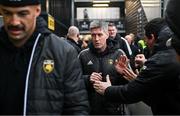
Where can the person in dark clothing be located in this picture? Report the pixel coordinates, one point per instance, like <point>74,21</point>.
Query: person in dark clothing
<point>73,38</point>
<point>131,41</point>
<point>97,62</point>
<point>135,49</point>
<point>122,43</point>
<point>40,74</point>
<point>172,18</point>
<point>158,83</point>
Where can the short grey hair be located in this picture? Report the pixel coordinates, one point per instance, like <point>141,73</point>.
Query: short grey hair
<point>73,31</point>
<point>99,24</point>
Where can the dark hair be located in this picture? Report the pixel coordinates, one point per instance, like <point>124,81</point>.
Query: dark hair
<point>154,27</point>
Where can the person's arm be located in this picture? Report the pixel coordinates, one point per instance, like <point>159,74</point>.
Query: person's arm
<point>136,90</point>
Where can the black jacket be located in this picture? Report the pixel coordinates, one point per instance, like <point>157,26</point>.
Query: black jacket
<point>122,44</point>
<point>54,84</point>
<point>158,83</point>
<point>77,46</point>
<point>101,62</point>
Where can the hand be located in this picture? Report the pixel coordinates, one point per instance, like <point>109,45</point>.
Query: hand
<point>100,87</point>
<point>121,64</point>
<point>122,67</point>
<point>95,77</point>
<point>129,74</point>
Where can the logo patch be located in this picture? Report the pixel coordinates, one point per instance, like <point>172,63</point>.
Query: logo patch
<point>90,63</point>
<point>48,66</point>
<point>144,67</point>
<point>110,61</point>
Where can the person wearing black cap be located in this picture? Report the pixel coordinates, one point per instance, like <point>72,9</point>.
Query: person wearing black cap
<point>40,74</point>
<point>173,20</point>
<point>158,83</point>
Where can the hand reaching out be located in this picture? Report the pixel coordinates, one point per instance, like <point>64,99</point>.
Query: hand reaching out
<point>122,67</point>
<point>121,64</point>
<point>129,74</point>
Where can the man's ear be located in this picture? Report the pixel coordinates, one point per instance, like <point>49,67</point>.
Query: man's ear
<point>38,10</point>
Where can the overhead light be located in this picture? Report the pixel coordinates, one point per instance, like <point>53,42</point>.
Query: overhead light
<point>100,5</point>
<point>101,1</point>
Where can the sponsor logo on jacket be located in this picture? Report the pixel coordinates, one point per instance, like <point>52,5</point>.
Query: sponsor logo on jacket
<point>48,66</point>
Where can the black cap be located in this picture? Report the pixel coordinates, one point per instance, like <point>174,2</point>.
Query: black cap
<point>173,17</point>
<point>17,3</point>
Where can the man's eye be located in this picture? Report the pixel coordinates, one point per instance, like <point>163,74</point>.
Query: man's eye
<point>100,35</point>
<point>93,35</point>
<point>23,14</point>
<point>7,13</point>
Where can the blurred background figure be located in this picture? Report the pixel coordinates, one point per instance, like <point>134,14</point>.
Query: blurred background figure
<point>86,16</point>
<point>73,38</point>
<point>122,43</point>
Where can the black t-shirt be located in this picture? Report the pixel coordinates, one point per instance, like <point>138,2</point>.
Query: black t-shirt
<point>13,82</point>
<point>13,68</point>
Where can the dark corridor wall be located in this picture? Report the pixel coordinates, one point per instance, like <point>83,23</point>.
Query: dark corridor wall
<point>61,11</point>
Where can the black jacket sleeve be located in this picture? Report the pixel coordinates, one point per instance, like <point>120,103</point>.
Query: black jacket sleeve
<point>158,72</point>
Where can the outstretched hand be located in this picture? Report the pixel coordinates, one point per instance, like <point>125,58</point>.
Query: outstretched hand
<point>121,64</point>
<point>129,74</point>
<point>122,67</point>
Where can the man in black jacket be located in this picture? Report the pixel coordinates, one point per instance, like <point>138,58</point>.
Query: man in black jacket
<point>40,74</point>
<point>158,82</point>
<point>122,43</point>
<point>97,63</point>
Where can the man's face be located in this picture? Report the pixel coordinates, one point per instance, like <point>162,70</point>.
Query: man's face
<point>150,41</point>
<point>112,31</point>
<point>20,22</point>
<point>99,39</point>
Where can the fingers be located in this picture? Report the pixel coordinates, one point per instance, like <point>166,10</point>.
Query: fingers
<point>100,87</point>
<point>129,74</point>
<point>95,77</point>
<point>124,59</point>
<point>97,84</point>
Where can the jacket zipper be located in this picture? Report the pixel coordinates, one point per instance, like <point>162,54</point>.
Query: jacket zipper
<point>28,73</point>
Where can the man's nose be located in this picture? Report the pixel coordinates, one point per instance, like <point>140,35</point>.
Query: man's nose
<point>14,20</point>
